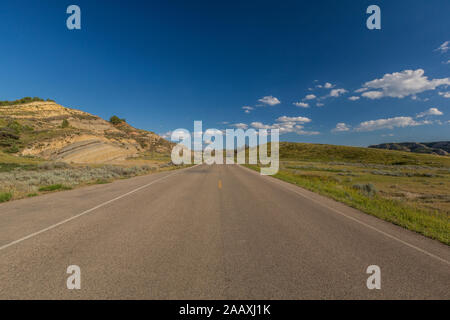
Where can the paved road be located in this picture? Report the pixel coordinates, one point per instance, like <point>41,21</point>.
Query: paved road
<point>209,232</point>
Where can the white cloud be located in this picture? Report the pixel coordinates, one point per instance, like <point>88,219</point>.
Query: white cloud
<point>446,62</point>
<point>443,47</point>
<point>341,127</point>
<point>361,90</point>
<point>373,94</point>
<point>293,119</point>
<point>247,109</point>
<point>327,85</point>
<point>213,132</point>
<point>402,84</point>
<point>260,125</point>
<point>301,104</point>
<point>337,92</point>
<point>240,126</point>
<point>445,94</point>
<point>310,97</point>
<point>286,125</point>
<point>430,112</point>
<point>302,132</point>
<point>353,98</point>
<point>334,94</point>
<point>319,104</point>
<point>270,100</point>
<point>389,123</point>
<point>179,134</point>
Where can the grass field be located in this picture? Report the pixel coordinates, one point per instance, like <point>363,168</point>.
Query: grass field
<point>410,190</point>
<point>9,162</point>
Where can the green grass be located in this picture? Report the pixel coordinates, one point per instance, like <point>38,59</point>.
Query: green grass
<point>5,196</point>
<point>6,167</point>
<point>332,153</point>
<point>155,156</point>
<point>54,187</point>
<point>9,162</point>
<point>429,223</point>
<point>407,189</point>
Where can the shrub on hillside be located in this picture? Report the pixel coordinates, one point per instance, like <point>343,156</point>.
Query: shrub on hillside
<point>116,120</point>
<point>12,149</point>
<point>20,101</point>
<point>15,126</point>
<point>5,196</point>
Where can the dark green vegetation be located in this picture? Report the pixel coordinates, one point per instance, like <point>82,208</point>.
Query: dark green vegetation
<point>16,135</point>
<point>10,135</point>
<point>5,196</point>
<point>54,187</point>
<point>407,189</point>
<point>65,124</point>
<point>21,101</point>
<point>116,120</point>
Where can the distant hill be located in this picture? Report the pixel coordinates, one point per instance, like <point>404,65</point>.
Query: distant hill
<point>45,129</point>
<point>333,153</point>
<point>441,148</point>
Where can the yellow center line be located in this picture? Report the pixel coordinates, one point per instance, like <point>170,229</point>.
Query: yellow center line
<point>220,184</point>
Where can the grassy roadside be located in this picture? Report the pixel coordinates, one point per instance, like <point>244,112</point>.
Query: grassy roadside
<point>429,223</point>
<point>409,190</point>
<point>22,177</point>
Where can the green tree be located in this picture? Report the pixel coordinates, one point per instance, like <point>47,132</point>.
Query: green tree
<point>116,120</point>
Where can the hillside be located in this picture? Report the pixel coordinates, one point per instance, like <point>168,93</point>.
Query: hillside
<point>45,129</point>
<point>440,148</point>
<point>333,153</point>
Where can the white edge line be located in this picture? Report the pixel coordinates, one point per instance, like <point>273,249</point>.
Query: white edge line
<point>90,210</point>
<point>275,180</point>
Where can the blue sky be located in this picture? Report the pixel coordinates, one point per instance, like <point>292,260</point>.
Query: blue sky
<point>163,64</point>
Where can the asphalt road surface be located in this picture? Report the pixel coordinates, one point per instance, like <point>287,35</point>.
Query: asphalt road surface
<point>209,232</point>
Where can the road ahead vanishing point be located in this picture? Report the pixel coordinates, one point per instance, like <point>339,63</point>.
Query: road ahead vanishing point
<point>209,232</point>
